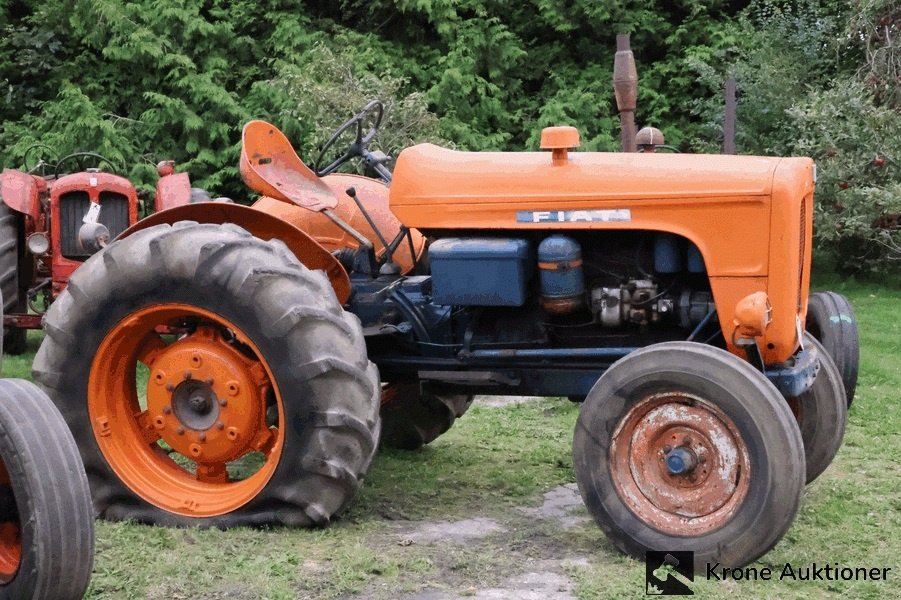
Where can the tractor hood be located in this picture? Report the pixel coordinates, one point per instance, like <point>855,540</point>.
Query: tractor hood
<point>438,188</point>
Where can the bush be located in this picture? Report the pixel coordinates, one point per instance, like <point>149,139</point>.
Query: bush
<point>813,80</point>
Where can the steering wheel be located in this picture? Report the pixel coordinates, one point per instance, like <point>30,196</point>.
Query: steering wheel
<point>374,110</point>
<point>80,158</point>
<point>35,151</point>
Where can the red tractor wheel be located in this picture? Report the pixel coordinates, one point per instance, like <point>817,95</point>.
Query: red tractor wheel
<point>14,341</point>
<point>685,446</point>
<point>211,379</point>
<point>46,522</point>
<point>415,415</point>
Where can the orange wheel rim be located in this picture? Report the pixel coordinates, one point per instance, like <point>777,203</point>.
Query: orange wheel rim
<point>204,439</point>
<point>10,535</point>
<point>679,463</point>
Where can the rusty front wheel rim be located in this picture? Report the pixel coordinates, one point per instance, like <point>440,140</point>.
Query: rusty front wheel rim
<point>679,464</point>
<point>206,400</point>
<point>10,538</point>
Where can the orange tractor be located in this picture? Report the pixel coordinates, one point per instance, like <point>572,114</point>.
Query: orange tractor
<point>228,365</point>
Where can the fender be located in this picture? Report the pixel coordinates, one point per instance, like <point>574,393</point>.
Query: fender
<point>261,225</point>
<point>172,190</point>
<point>19,191</point>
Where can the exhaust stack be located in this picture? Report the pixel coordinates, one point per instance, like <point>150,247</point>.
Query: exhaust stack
<point>625,86</point>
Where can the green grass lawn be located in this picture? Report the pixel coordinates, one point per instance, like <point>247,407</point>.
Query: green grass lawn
<point>496,461</point>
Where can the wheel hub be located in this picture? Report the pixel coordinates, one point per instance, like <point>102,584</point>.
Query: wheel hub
<point>679,464</point>
<point>681,460</point>
<point>205,398</point>
<point>195,404</point>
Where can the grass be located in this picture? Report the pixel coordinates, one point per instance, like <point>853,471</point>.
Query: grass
<point>492,463</point>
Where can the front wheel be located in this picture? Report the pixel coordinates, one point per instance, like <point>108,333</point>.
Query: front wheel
<point>831,320</point>
<point>821,412</point>
<point>211,379</point>
<point>682,446</point>
<point>46,522</point>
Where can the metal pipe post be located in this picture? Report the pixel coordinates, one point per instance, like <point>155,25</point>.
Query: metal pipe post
<point>625,86</point>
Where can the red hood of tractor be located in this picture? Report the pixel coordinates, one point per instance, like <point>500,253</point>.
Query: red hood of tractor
<point>428,177</point>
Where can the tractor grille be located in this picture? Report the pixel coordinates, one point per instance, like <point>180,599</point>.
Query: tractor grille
<point>73,206</point>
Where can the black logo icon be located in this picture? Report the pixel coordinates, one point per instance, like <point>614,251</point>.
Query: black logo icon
<point>669,573</point>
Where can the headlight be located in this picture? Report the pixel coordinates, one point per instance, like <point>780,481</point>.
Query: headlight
<point>38,243</point>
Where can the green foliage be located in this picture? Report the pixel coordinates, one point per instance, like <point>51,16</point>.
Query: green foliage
<point>855,143</point>
<point>312,97</point>
<point>817,79</point>
<point>154,79</point>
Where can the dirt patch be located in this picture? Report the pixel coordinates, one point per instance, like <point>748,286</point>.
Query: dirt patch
<point>502,401</point>
<point>527,553</point>
<point>444,532</point>
<point>562,505</point>
<point>534,585</point>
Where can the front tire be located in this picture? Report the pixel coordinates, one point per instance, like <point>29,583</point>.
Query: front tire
<point>46,521</point>
<point>684,446</point>
<point>260,406</point>
<point>831,320</point>
<point>821,412</point>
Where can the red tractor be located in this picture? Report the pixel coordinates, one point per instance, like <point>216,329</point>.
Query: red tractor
<point>48,229</point>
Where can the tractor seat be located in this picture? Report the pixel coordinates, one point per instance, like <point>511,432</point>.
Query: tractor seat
<point>271,167</point>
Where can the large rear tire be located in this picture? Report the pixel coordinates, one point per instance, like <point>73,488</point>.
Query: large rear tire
<point>46,521</point>
<point>14,341</point>
<point>821,412</point>
<point>682,446</point>
<point>831,320</point>
<point>261,406</point>
<point>415,415</point>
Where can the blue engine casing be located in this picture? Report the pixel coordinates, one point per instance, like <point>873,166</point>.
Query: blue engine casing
<point>480,271</point>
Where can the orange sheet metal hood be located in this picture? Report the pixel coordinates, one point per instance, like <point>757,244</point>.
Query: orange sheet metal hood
<point>429,177</point>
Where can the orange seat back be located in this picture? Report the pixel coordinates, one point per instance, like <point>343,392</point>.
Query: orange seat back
<point>270,166</point>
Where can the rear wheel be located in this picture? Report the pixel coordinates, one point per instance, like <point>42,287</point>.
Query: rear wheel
<point>822,413</point>
<point>414,415</point>
<point>685,446</point>
<point>46,522</point>
<point>13,338</point>
<point>831,320</point>
<point>211,379</point>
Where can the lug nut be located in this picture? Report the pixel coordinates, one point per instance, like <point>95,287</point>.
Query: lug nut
<point>223,402</point>
<point>208,381</point>
<point>169,387</point>
<point>220,425</point>
<point>187,375</point>
<point>167,410</point>
<point>180,430</point>
<point>201,436</point>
